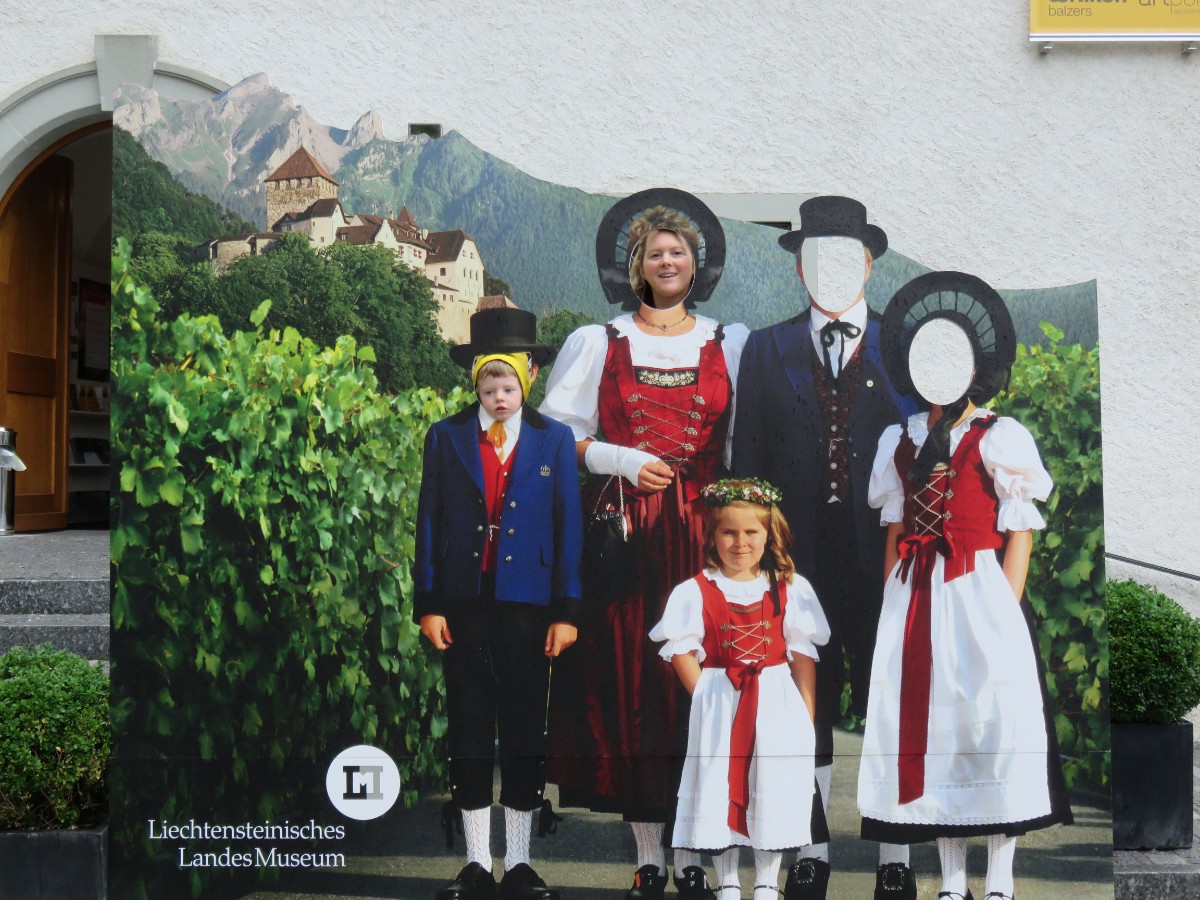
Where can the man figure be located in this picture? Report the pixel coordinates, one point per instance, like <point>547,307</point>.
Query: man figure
<point>812,400</point>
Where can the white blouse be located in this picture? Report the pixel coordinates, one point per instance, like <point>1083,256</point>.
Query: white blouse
<point>1009,456</point>
<point>682,625</point>
<point>573,392</point>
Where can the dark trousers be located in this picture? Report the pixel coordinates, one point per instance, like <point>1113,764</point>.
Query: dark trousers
<point>851,599</point>
<point>497,676</point>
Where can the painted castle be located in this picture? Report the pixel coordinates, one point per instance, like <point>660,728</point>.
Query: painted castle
<point>303,197</point>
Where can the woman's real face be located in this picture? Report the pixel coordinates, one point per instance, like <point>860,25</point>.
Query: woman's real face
<point>668,268</point>
<point>741,540</point>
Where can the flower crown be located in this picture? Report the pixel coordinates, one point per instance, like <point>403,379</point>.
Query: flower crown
<point>748,490</point>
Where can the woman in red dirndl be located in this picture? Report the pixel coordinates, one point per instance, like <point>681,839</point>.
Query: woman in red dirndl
<point>649,396</point>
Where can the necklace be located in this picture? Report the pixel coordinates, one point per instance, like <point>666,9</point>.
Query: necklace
<point>663,328</point>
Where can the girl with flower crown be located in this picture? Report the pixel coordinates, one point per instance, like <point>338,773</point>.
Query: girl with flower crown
<point>742,636</point>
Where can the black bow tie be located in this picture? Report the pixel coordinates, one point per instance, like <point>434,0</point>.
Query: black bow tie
<point>848,332</point>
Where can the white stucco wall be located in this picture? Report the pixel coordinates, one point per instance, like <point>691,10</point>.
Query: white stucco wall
<point>971,149</point>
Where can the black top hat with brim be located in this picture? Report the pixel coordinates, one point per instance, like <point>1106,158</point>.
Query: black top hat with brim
<point>613,245</point>
<point>965,300</point>
<point>503,330</point>
<point>832,216</point>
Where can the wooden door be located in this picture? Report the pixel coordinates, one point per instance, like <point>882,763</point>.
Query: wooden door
<point>35,283</point>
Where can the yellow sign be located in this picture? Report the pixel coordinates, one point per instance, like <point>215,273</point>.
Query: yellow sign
<point>1114,20</point>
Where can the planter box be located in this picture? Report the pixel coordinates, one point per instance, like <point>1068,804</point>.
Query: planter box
<point>1152,786</point>
<point>54,865</point>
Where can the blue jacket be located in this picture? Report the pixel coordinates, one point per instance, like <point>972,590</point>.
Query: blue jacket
<point>777,431</point>
<point>541,527</point>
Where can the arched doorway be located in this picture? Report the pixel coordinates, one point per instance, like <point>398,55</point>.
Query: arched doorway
<point>55,223</point>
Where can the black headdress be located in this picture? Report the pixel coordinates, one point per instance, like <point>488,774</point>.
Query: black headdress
<point>613,244</point>
<point>980,312</point>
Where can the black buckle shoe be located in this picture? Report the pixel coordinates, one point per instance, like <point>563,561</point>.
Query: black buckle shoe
<point>522,883</point>
<point>952,895</point>
<point>895,881</point>
<point>694,885</point>
<point>648,884</point>
<point>474,882</point>
<point>999,896</point>
<point>808,879</point>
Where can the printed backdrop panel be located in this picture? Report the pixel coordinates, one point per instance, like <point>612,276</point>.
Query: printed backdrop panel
<point>285,294</point>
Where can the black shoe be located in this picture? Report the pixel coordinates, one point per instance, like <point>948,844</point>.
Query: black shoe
<point>999,896</point>
<point>953,896</point>
<point>648,884</point>
<point>807,880</point>
<point>474,882</point>
<point>694,885</point>
<point>522,883</point>
<point>895,881</point>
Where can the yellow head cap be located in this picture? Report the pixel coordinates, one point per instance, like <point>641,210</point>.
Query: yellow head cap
<point>520,362</point>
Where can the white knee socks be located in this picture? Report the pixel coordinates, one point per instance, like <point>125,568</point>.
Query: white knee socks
<point>648,836</point>
<point>518,824</point>
<point>682,858</point>
<point>477,829</point>
<point>893,853</point>
<point>1001,850</point>
<point>726,865</point>
<point>953,853</point>
<point>766,874</point>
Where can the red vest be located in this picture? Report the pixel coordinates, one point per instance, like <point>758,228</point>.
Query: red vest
<point>679,415</point>
<point>495,486</point>
<point>958,504</point>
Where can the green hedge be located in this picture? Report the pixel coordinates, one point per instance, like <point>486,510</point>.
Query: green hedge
<point>261,546</point>
<point>54,740</point>
<point>1055,393</point>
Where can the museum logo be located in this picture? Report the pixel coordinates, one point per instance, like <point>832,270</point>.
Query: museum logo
<point>362,782</point>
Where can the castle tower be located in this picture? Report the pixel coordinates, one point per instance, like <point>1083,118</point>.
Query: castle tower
<point>296,185</point>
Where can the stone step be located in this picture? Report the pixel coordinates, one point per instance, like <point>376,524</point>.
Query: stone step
<point>53,596</point>
<point>85,633</point>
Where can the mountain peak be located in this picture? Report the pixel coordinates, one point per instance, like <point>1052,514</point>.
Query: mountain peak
<point>369,127</point>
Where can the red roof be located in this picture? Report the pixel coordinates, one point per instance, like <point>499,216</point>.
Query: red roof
<point>300,164</point>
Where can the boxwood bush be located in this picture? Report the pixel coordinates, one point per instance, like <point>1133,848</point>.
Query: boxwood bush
<point>54,740</point>
<point>1154,655</point>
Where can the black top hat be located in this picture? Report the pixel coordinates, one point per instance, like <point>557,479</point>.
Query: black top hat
<point>963,299</point>
<point>613,245</point>
<point>503,330</point>
<point>832,216</point>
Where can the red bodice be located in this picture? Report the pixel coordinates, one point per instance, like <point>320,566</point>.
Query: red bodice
<point>957,505</point>
<point>736,635</point>
<point>679,415</point>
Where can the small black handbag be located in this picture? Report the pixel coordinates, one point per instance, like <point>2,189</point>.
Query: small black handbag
<point>608,558</point>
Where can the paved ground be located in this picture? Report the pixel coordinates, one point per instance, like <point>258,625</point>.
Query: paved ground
<point>590,858</point>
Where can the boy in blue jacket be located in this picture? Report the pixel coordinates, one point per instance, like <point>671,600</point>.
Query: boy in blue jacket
<point>496,586</point>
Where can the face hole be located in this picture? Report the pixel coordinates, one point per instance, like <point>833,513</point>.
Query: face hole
<point>841,273</point>
<point>941,361</point>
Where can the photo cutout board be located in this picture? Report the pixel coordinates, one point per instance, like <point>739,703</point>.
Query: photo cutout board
<point>282,316</point>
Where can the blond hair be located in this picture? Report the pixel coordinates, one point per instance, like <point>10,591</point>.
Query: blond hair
<point>657,218</point>
<point>775,556</point>
<point>496,368</point>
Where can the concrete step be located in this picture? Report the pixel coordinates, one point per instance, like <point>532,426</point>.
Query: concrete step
<point>84,633</point>
<point>47,597</point>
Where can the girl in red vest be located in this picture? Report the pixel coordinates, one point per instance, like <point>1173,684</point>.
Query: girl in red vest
<point>958,740</point>
<point>741,636</point>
